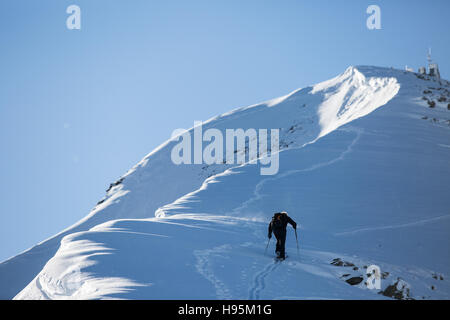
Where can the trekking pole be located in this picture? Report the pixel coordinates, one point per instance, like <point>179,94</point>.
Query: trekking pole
<point>296,239</point>
<point>265,252</point>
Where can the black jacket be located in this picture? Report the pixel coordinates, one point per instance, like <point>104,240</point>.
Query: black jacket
<point>280,228</point>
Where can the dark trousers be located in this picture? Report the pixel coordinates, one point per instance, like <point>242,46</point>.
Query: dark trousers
<point>281,241</point>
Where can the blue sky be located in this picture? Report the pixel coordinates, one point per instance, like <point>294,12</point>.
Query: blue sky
<point>78,108</point>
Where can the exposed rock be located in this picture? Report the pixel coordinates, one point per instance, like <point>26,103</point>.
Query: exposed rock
<point>354,280</point>
<point>115,184</point>
<point>339,263</point>
<point>399,290</point>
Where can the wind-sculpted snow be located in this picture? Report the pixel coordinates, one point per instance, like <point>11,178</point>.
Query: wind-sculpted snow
<point>352,96</point>
<point>362,171</point>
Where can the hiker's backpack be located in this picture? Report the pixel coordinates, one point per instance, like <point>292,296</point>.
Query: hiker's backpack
<point>277,224</point>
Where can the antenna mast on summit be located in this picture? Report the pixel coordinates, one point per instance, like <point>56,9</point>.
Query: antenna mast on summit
<point>429,56</point>
<point>433,69</point>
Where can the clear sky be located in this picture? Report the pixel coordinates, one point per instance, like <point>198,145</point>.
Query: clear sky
<point>78,108</point>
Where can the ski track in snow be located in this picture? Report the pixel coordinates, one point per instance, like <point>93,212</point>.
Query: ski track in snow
<point>205,268</point>
<point>259,283</point>
<point>257,192</point>
<point>403,225</point>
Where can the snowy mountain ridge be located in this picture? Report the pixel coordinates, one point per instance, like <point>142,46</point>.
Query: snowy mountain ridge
<point>363,169</point>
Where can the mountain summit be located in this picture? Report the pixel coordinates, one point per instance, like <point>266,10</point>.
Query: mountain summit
<point>363,168</point>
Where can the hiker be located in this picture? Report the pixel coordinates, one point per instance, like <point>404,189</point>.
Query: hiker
<point>278,226</point>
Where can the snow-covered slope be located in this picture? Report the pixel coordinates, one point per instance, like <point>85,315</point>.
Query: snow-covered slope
<point>364,169</point>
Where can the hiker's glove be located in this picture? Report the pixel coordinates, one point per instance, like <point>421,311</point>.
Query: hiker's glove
<point>269,235</point>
